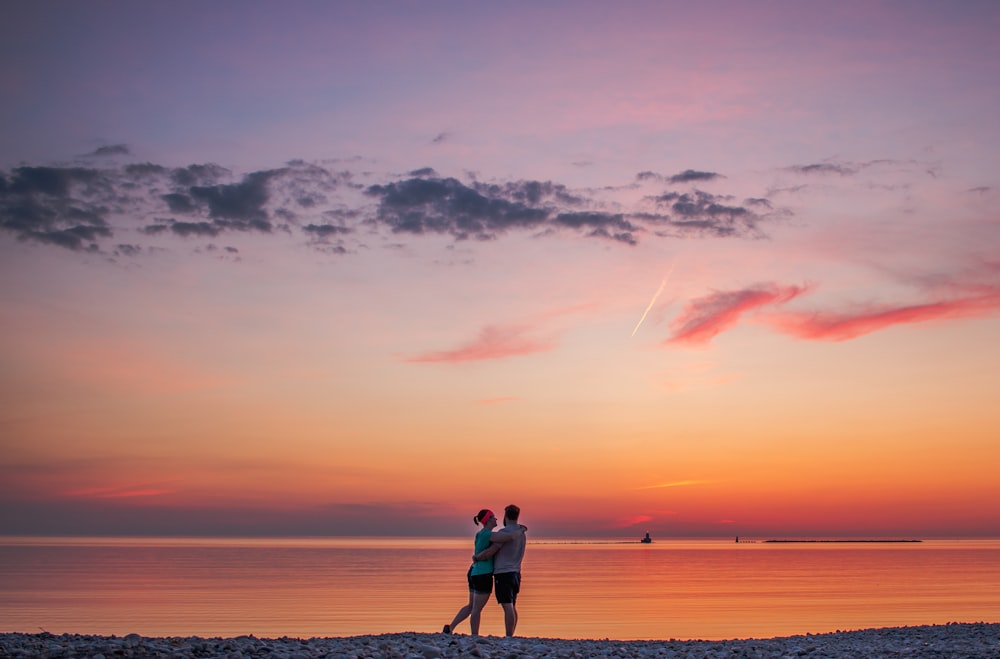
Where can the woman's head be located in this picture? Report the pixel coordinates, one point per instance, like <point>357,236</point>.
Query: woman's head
<point>483,516</point>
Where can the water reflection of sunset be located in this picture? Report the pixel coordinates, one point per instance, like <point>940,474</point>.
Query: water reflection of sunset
<point>308,587</point>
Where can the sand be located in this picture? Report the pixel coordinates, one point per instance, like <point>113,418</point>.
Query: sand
<point>951,640</point>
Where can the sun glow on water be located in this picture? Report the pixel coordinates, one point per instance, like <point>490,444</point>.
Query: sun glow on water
<point>573,588</point>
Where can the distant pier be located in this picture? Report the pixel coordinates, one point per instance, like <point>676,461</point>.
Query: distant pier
<point>830,540</point>
<point>842,541</point>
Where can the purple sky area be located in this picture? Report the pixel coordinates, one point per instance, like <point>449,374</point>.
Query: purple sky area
<point>295,267</point>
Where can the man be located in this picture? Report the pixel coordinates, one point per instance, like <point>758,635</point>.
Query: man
<point>507,550</point>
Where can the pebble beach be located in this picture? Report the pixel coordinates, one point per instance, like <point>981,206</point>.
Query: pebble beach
<point>951,640</point>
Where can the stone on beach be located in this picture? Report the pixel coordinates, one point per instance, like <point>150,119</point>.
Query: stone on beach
<point>951,640</point>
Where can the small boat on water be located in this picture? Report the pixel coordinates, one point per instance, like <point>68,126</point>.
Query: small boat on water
<point>646,539</point>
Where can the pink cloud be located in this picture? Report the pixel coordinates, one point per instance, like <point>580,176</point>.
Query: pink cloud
<point>703,318</point>
<point>125,492</point>
<point>834,326</point>
<point>626,522</point>
<point>673,484</point>
<point>493,342</point>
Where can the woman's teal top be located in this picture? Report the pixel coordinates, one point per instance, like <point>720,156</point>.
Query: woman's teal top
<point>482,542</point>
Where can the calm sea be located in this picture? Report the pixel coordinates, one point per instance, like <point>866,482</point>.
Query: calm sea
<point>683,589</point>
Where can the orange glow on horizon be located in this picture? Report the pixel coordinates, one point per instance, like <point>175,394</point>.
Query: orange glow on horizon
<point>659,283</point>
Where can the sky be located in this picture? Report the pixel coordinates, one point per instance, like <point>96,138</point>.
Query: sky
<point>363,268</point>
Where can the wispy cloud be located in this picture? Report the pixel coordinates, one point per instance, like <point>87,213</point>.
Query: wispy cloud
<point>704,318</point>
<point>703,213</point>
<point>689,175</point>
<point>111,150</point>
<point>837,167</point>
<point>120,492</point>
<point>673,484</point>
<point>494,342</point>
<point>633,520</point>
<point>845,325</point>
<point>824,168</point>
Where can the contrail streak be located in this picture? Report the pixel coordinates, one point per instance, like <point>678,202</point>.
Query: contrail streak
<point>653,301</point>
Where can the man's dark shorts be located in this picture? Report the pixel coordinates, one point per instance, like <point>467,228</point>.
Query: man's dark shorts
<point>481,583</point>
<point>508,586</point>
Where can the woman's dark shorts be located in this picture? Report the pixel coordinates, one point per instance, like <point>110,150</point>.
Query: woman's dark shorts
<point>481,583</point>
<point>508,586</point>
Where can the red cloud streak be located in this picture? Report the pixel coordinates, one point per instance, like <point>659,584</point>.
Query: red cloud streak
<point>119,493</point>
<point>705,317</point>
<point>844,326</point>
<point>627,522</point>
<point>492,343</point>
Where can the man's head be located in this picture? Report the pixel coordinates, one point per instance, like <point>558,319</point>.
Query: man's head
<point>511,512</point>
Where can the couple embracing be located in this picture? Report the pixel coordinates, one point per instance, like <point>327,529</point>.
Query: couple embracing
<point>497,561</point>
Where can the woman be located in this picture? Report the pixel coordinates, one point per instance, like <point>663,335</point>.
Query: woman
<point>480,576</point>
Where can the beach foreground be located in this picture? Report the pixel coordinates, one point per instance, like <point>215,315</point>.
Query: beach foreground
<point>951,640</point>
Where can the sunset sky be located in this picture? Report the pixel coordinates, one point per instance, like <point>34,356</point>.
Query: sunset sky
<point>350,268</point>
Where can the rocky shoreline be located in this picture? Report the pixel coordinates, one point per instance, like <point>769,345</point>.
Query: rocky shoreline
<point>951,640</point>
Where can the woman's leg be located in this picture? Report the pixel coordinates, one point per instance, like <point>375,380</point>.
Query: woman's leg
<point>478,601</point>
<point>462,614</point>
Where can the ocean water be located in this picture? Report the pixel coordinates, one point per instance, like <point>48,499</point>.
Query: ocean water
<point>683,589</point>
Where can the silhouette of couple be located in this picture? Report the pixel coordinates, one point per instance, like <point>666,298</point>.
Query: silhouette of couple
<point>497,561</point>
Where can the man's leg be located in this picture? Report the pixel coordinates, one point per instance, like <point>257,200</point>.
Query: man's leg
<point>509,618</point>
<point>508,584</point>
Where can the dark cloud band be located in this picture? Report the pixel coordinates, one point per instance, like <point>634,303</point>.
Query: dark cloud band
<point>85,208</point>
